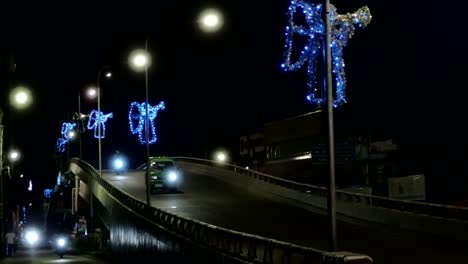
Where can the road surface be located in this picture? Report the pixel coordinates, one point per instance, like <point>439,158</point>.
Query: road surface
<point>212,201</point>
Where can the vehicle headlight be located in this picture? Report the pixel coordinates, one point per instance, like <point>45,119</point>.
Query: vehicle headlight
<point>172,176</point>
<point>32,237</point>
<point>61,242</point>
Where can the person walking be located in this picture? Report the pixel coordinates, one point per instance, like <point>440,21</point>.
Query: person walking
<point>10,238</point>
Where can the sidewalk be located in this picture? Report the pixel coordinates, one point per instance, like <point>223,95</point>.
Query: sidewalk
<point>44,256</point>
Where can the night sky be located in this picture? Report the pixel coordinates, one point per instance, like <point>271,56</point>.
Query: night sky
<point>216,86</point>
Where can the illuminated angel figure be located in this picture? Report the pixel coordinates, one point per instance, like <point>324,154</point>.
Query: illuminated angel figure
<point>97,119</point>
<point>342,29</point>
<point>137,113</point>
<point>67,134</point>
<point>67,130</point>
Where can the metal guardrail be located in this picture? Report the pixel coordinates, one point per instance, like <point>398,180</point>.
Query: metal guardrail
<point>423,208</point>
<point>242,247</point>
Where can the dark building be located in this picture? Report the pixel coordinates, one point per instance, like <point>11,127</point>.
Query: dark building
<point>296,148</point>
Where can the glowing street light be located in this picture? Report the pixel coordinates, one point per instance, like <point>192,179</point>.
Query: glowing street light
<point>20,97</point>
<point>140,60</point>
<point>107,76</point>
<point>14,155</point>
<point>91,92</point>
<point>221,156</point>
<point>210,20</point>
<point>71,134</point>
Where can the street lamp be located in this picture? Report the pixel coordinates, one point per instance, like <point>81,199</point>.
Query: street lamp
<point>107,75</point>
<point>20,98</point>
<point>14,155</point>
<point>220,156</point>
<point>210,20</point>
<point>80,117</point>
<point>140,60</point>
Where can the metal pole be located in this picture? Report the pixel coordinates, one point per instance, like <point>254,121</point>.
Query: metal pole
<point>79,124</point>
<point>331,143</point>
<point>2,233</point>
<point>147,176</point>
<point>99,127</point>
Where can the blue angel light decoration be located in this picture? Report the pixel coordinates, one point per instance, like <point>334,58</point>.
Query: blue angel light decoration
<point>137,112</point>
<point>98,119</point>
<point>66,136</point>
<point>342,29</point>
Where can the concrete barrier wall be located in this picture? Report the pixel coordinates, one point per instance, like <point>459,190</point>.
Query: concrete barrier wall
<point>347,209</point>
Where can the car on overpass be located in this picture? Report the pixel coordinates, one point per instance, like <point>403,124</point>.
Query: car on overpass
<point>164,174</point>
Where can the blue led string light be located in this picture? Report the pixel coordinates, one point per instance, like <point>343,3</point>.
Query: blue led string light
<point>137,112</point>
<point>65,132</point>
<point>342,29</point>
<point>61,145</point>
<point>97,119</point>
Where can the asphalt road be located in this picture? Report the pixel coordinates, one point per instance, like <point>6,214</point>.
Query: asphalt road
<point>206,199</point>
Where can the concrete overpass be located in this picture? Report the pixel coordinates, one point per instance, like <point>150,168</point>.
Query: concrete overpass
<point>284,218</point>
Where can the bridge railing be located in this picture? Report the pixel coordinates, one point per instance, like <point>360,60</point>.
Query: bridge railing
<point>423,208</point>
<point>240,247</point>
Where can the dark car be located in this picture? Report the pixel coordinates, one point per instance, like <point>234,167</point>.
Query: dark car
<point>164,174</point>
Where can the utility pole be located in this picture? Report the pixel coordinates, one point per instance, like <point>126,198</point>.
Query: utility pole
<point>331,201</point>
<point>2,232</point>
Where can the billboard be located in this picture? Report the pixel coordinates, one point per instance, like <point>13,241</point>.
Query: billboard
<point>411,187</point>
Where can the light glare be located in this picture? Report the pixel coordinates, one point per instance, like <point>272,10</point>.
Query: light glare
<point>210,20</point>
<point>14,155</point>
<point>20,97</point>
<point>139,60</point>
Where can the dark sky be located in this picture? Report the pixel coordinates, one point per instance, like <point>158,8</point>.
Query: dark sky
<point>216,87</point>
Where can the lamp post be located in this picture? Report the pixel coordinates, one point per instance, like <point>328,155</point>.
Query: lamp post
<point>79,117</point>
<point>20,98</point>
<point>140,60</point>
<point>331,137</point>
<point>107,75</point>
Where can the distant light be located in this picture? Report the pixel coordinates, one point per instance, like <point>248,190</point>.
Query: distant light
<point>30,204</point>
<point>32,236</point>
<point>302,157</point>
<point>139,60</point>
<point>92,92</point>
<point>14,155</point>
<point>220,156</point>
<point>21,175</point>
<point>118,164</point>
<point>210,20</point>
<point>109,74</point>
<point>71,134</point>
<point>247,167</point>
<point>30,186</point>
<point>20,97</point>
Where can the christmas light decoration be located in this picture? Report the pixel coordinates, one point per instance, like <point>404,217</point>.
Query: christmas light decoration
<point>342,29</point>
<point>137,113</point>
<point>97,119</point>
<point>67,128</point>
